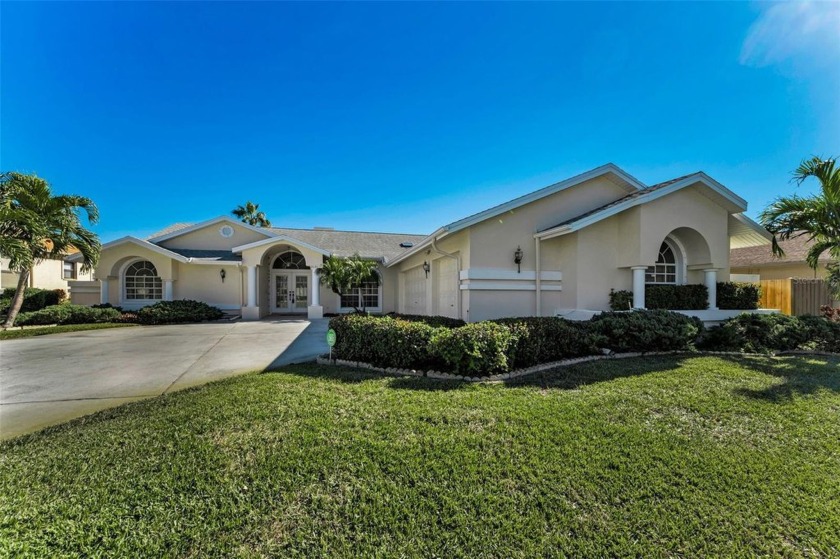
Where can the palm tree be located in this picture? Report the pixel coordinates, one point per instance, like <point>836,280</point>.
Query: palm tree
<point>250,213</point>
<point>345,275</point>
<point>35,225</point>
<point>816,216</point>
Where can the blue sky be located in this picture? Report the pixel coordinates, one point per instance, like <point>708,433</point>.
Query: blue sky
<point>403,117</point>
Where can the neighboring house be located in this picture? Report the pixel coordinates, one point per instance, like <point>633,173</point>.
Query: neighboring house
<point>759,263</point>
<point>556,250</point>
<point>49,274</point>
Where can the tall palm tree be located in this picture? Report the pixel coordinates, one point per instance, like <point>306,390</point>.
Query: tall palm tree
<point>250,213</point>
<point>346,275</point>
<point>817,217</point>
<point>35,225</point>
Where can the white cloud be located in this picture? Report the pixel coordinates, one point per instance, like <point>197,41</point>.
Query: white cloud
<point>794,35</point>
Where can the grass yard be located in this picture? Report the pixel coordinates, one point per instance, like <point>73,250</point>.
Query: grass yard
<point>658,457</point>
<point>46,330</point>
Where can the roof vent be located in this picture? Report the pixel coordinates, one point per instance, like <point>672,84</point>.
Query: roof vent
<point>324,228</point>
<point>406,244</point>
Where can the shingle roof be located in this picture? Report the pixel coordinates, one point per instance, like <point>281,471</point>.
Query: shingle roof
<point>209,255</point>
<point>348,243</point>
<point>340,243</point>
<point>795,251</point>
<point>631,196</point>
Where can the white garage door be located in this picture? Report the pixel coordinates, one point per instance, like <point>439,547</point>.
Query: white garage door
<point>446,287</point>
<point>414,295</point>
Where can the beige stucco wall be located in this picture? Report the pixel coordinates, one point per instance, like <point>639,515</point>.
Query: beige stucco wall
<point>46,275</point>
<point>202,282</point>
<point>113,260</point>
<point>209,238</point>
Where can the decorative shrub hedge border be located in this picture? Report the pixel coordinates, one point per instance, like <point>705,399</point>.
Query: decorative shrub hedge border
<point>437,375</point>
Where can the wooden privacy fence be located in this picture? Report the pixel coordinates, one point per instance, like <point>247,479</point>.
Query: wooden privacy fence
<point>794,296</point>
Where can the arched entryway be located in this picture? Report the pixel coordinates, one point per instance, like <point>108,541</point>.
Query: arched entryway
<point>289,279</point>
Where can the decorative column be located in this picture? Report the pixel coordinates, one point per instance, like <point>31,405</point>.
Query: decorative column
<point>315,310</point>
<point>167,290</point>
<point>104,296</point>
<point>639,286</point>
<point>251,311</point>
<point>711,285</point>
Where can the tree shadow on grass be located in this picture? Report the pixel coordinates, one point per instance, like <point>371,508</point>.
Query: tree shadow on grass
<point>802,376</point>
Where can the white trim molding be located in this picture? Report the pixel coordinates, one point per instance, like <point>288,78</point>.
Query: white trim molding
<point>203,224</point>
<point>280,239</point>
<point>496,279</point>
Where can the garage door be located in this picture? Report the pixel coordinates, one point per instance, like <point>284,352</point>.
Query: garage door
<point>414,295</point>
<point>446,287</point>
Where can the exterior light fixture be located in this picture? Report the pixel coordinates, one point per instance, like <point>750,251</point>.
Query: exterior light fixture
<point>426,268</point>
<point>517,259</point>
<point>222,274</point>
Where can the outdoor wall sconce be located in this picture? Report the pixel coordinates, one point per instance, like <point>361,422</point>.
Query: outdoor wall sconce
<point>222,274</point>
<point>517,259</point>
<point>426,268</point>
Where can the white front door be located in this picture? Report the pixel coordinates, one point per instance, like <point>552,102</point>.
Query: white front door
<point>289,291</point>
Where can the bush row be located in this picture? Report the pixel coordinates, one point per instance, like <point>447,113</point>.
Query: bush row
<point>486,348</point>
<point>34,299</point>
<point>730,296</point>
<point>164,312</point>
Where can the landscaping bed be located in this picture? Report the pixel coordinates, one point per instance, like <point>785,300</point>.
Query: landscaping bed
<point>649,457</point>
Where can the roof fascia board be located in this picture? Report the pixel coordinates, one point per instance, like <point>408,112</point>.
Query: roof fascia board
<point>280,238</point>
<point>753,225</point>
<point>140,242</point>
<point>160,238</point>
<point>644,199</point>
<point>542,193</point>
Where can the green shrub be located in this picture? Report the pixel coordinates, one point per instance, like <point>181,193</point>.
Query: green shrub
<point>646,330</point>
<point>738,296</point>
<point>172,312</point>
<point>621,300</point>
<point>383,341</point>
<point>67,314</point>
<point>677,297</point>
<point>758,333</point>
<point>433,321</point>
<point>821,333</point>
<point>546,339</point>
<point>478,349</point>
<point>34,299</point>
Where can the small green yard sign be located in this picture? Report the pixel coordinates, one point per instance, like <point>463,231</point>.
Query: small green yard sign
<point>331,337</point>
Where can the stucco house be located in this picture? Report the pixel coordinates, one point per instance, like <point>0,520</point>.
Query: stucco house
<point>557,250</point>
<point>48,274</point>
<point>759,263</point>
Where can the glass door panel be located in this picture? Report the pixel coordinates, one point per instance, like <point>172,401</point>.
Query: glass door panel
<point>281,292</point>
<point>301,292</point>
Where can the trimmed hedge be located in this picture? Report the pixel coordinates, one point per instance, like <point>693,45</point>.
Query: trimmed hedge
<point>67,314</point>
<point>621,300</point>
<point>738,296</point>
<point>383,341</point>
<point>433,321</point>
<point>478,349</point>
<point>765,333</point>
<point>546,339</point>
<point>175,312</point>
<point>34,299</point>
<point>646,330</point>
<point>689,297</point>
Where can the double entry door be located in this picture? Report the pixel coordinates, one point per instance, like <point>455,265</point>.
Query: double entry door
<point>289,291</point>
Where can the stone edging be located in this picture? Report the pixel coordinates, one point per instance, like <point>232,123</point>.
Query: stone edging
<point>321,360</point>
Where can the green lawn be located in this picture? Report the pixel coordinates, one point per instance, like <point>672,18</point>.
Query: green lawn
<point>46,330</point>
<point>656,457</point>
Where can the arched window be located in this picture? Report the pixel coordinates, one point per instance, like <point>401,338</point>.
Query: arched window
<point>142,282</point>
<point>290,260</point>
<point>665,269</point>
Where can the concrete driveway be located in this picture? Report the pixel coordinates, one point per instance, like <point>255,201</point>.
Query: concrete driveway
<point>50,379</point>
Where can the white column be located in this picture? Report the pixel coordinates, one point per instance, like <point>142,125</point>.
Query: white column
<point>316,288</point>
<point>639,286</point>
<point>103,291</point>
<point>252,286</point>
<point>711,285</point>
<point>167,290</point>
